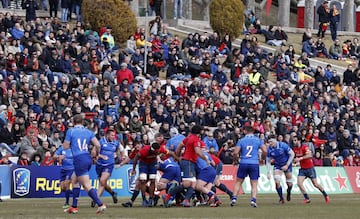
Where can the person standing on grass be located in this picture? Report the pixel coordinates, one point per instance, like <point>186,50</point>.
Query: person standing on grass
<point>334,21</point>
<point>282,155</point>
<point>106,161</point>
<point>78,139</point>
<point>303,155</point>
<point>65,158</point>
<point>247,150</point>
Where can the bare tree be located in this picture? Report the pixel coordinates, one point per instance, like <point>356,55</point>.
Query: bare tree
<point>284,13</point>
<point>309,14</point>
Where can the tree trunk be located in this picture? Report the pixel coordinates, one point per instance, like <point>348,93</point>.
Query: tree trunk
<point>284,13</point>
<point>309,14</point>
<point>250,5</point>
<point>348,16</point>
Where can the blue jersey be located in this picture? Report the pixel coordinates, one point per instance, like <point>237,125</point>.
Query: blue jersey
<point>108,148</point>
<point>170,162</point>
<point>68,162</point>
<point>249,149</point>
<point>79,138</point>
<point>201,164</point>
<point>280,153</point>
<point>174,142</point>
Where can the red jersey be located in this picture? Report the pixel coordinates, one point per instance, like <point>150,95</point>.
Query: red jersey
<point>133,153</point>
<point>191,142</point>
<point>149,156</point>
<point>302,151</point>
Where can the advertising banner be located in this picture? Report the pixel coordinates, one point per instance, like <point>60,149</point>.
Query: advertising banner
<point>4,181</point>
<point>333,179</point>
<point>41,182</point>
<point>354,178</point>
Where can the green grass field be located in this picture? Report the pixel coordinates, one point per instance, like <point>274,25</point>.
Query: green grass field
<point>340,207</point>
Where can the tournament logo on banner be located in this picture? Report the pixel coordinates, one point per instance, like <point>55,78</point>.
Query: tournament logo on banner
<point>131,180</point>
<point>21,179</point>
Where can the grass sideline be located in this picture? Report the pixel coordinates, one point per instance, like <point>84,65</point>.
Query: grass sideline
<point>340,206</point>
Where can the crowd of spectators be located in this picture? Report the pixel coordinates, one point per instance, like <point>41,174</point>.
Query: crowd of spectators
<point>51,71</point>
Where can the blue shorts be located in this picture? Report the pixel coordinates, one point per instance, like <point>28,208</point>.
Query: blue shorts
<point>65,174</point>
<point>251,170</point>
<point>219,169</point>
<point>172,173</point>
<point>187,169</point>
<point>207,175</point>
<point>104,169</point>
<point>278,167</point>
<point>308,173</point>
<point>82,164</point>
<point>148,168</point>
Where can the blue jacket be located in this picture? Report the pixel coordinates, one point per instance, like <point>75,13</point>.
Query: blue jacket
<point>211,143</point>
<point>220,77</point>
<point>16,33</point>
<point>306,47</point>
